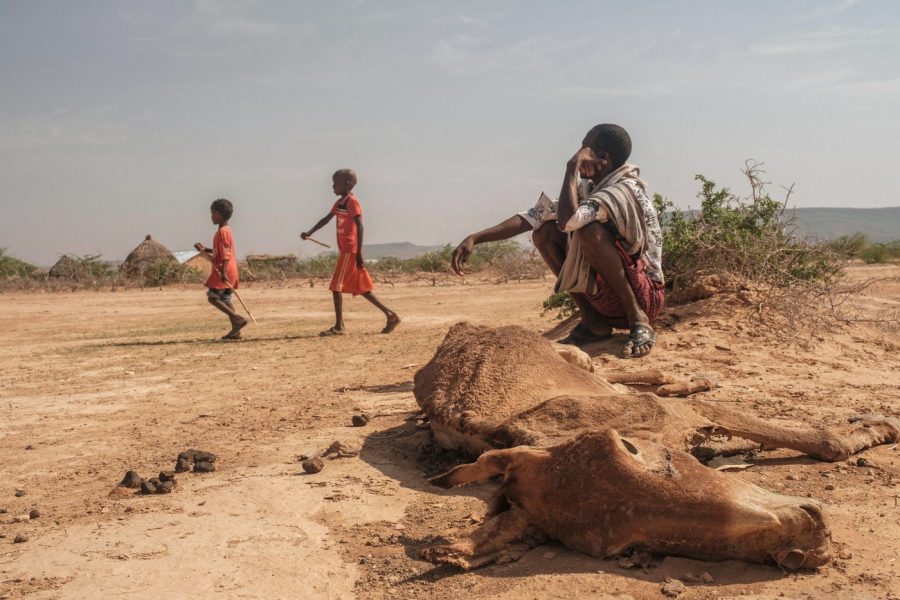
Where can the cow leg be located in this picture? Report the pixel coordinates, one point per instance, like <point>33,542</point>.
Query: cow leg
<point>484,545</point>
<point>822,444</point>
<point>488,464</point>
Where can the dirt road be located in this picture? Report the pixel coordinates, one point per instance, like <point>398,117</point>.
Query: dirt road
<point>96,383</point>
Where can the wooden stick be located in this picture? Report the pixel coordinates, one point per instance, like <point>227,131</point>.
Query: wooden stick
<point>241,300</point>
<point>315,241</point>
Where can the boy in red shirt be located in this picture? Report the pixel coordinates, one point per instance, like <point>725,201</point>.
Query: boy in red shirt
<point>350,275</point>
<point>224,277</point>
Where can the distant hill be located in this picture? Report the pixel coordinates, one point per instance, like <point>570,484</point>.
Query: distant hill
<point>878,224</point>
<point>401,250</point>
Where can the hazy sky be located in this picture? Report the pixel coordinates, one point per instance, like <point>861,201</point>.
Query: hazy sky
<point>123,118</point>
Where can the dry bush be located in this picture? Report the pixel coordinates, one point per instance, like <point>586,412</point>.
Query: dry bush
<point>756,250</point>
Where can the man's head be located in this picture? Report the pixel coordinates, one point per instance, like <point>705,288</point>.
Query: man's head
<point>220,211</point>
<point>343,181</point>
<point>611,145</point>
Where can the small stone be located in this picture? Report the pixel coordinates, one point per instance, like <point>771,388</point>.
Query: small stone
<point>29,447</point>
<point>360,420</point>
<point>673,587</point>
<point>204,467</point>
<point>2,511</point>
<point>20,518</point>
<point>20,538</point>
<point>167,475</point>
<point>148,487</point>
<point>792,477</point>
<point>20,493</point>
<point>165,487</point>
<point>182,465</point>
<point>861,462</point>
<point>313,465</point>
<point>131,480</point>
<point>34,514</point>
<point>707,578</point>
<point>829,487</point>
<point>549,555</point>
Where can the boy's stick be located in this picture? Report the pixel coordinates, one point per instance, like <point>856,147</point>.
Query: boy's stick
<point>311,239</point>
<point>241,300</point>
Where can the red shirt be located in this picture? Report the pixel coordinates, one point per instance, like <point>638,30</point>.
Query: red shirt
<point>346,209</point>
<point>223,249</point>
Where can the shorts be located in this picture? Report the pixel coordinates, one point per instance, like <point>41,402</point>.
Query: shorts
<point>223,295</point>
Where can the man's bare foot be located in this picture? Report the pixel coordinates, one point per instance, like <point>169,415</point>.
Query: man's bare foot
<point>392,321</point>
<point>640,341</point>
<point>236,326</point>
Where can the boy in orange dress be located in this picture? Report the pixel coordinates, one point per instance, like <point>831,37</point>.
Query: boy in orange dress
<point>350,275</point>
<point>224,277</point>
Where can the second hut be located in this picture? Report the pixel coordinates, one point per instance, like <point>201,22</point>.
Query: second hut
<point>148,253</point>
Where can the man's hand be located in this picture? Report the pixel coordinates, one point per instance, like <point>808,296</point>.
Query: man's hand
<point>304,235</point>
<point>199,247</point>
<point>585,162</point>
<point>461,255</point>
<point>360,262</point>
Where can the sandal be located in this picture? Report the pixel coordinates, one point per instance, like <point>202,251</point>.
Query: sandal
<point>641,336</point>
<point>331,332</point>
<point>582,335</point>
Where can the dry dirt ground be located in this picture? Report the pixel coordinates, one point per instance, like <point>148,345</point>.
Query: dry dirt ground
<point>95,383</point>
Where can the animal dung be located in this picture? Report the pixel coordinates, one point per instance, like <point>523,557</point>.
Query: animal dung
<point>165,487</point>
<point>204,467</point>
<point>34,514</point>
<point>313,465</point>
<point>203,461</point>
<point>360,420</point>
<point>131,480</point>
<point>148,487</point>
<point>167,475</point>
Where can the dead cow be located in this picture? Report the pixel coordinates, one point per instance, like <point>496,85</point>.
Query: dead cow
<point>605,472</point>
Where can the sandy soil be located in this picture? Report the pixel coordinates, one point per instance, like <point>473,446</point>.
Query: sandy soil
<point>94,384</point>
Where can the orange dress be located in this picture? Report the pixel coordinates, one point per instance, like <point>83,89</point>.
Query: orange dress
<point>223,249</point>
<point>348,278</point>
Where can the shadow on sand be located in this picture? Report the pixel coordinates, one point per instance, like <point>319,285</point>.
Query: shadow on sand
<point>401,387</point>
<point>202,341</point>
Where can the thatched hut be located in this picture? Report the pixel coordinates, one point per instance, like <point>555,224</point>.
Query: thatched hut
<point>66,267</point>
<point>148,253</point>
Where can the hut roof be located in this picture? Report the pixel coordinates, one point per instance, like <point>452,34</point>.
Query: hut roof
<point>148,253</point>
<point>66,267</point>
